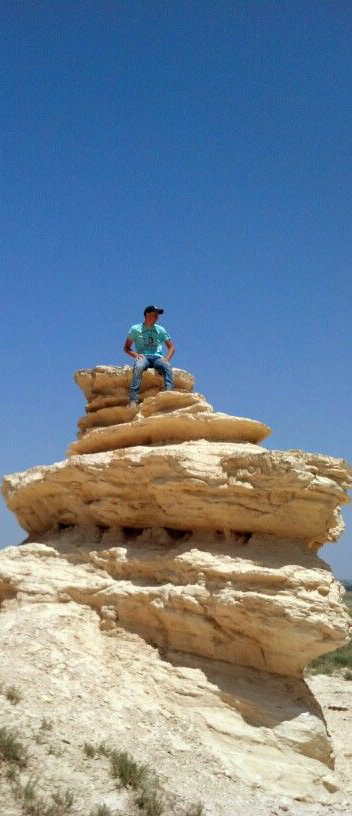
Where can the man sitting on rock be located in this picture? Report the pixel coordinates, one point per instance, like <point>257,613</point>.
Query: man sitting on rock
<point>148,339</point>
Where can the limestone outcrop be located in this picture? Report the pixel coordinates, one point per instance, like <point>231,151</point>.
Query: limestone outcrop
<point>163,417</point>
<point>172,524</point>
<point>228,600</point>
<point>190,486</point>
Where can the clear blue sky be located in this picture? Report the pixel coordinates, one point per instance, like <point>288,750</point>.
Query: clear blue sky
<point>190,153</point>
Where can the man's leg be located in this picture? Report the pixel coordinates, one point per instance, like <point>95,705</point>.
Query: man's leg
<point>140,365</point>
<point>165,369</point>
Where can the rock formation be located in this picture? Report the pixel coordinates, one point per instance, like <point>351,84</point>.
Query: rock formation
<point>171,523</point>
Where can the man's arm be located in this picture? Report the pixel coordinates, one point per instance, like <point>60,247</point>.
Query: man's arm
<point>128,349</point>
<point>170,350</point>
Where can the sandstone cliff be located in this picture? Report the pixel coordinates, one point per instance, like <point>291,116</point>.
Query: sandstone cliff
<point>174,556</point>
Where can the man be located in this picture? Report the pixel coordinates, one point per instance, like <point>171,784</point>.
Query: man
<point>149,339</point>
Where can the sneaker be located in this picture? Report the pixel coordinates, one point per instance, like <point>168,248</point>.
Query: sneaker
<point>132,404</point>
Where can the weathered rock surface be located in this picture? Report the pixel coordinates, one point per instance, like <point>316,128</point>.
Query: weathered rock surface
<point>193,486</point>
<point>109,380</point>
<point>175,427</point>
<point>163,402</point>
<point>63,600</point>
<point>188,559</point>
<point>162,417</point>
<point>266,603</point>
<point>211,731</point>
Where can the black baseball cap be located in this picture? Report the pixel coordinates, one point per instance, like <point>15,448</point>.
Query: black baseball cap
<point>152,309</point>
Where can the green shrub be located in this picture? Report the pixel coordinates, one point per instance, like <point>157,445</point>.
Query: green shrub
<point>103,750</point>
<point>127,770</point>
<point>13,694</point>
<point>149,799</point>
<point>63,801</point>
<point>11,749</point>
<point>341,658</point>
<point>101,810</point>
<point>33,806</point>
<point>12,773</point>
<point>328,663</point>
<point>89,750</point>
<point>28,792</point>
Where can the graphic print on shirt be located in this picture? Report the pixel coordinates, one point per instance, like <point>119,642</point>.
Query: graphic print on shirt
<point>150,338</point>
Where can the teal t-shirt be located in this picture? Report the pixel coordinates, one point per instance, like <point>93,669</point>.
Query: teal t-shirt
<point>149,341</point>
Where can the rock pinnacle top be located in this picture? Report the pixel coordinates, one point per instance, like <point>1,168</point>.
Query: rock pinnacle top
<point>161,417</point>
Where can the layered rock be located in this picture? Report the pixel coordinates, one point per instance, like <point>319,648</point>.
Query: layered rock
<point>109,386</point>
<point>162,417</point>
<point>211,730</point>
<point>172,523</point>
<point>229,600</point>
<point>191,486</point>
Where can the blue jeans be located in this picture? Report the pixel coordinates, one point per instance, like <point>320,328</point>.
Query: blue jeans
<point>150,362</point>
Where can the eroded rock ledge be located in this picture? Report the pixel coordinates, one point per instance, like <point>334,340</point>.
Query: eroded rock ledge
<point>266,603</point>
<point>190,486</point>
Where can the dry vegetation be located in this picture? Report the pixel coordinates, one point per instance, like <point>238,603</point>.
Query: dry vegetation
<point>138,777</point>
<point>127,772</point>
<point>339,661</point>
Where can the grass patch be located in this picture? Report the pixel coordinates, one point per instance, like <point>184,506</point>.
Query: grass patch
<point>11,749</point>
<point>129,772</point>
<point>135,775</point>
<point>139,777</point>
<point>46,725</point>
<point>92,751</point>
<point>149,799</point>
<point>89,750</point>
<point>103,750</point>
<point>63,801</point>
<point>12,773</point>
<point>101,810</point>
<point>348,600</point>
<point>333,661</point>
<point>12,694</point>
<point>28,792</point>
<point>33,806</point>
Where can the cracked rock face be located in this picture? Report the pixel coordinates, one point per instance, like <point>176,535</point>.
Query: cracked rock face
<point>190,486</point>
<point>171,524</point>
<point>233,600</point>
